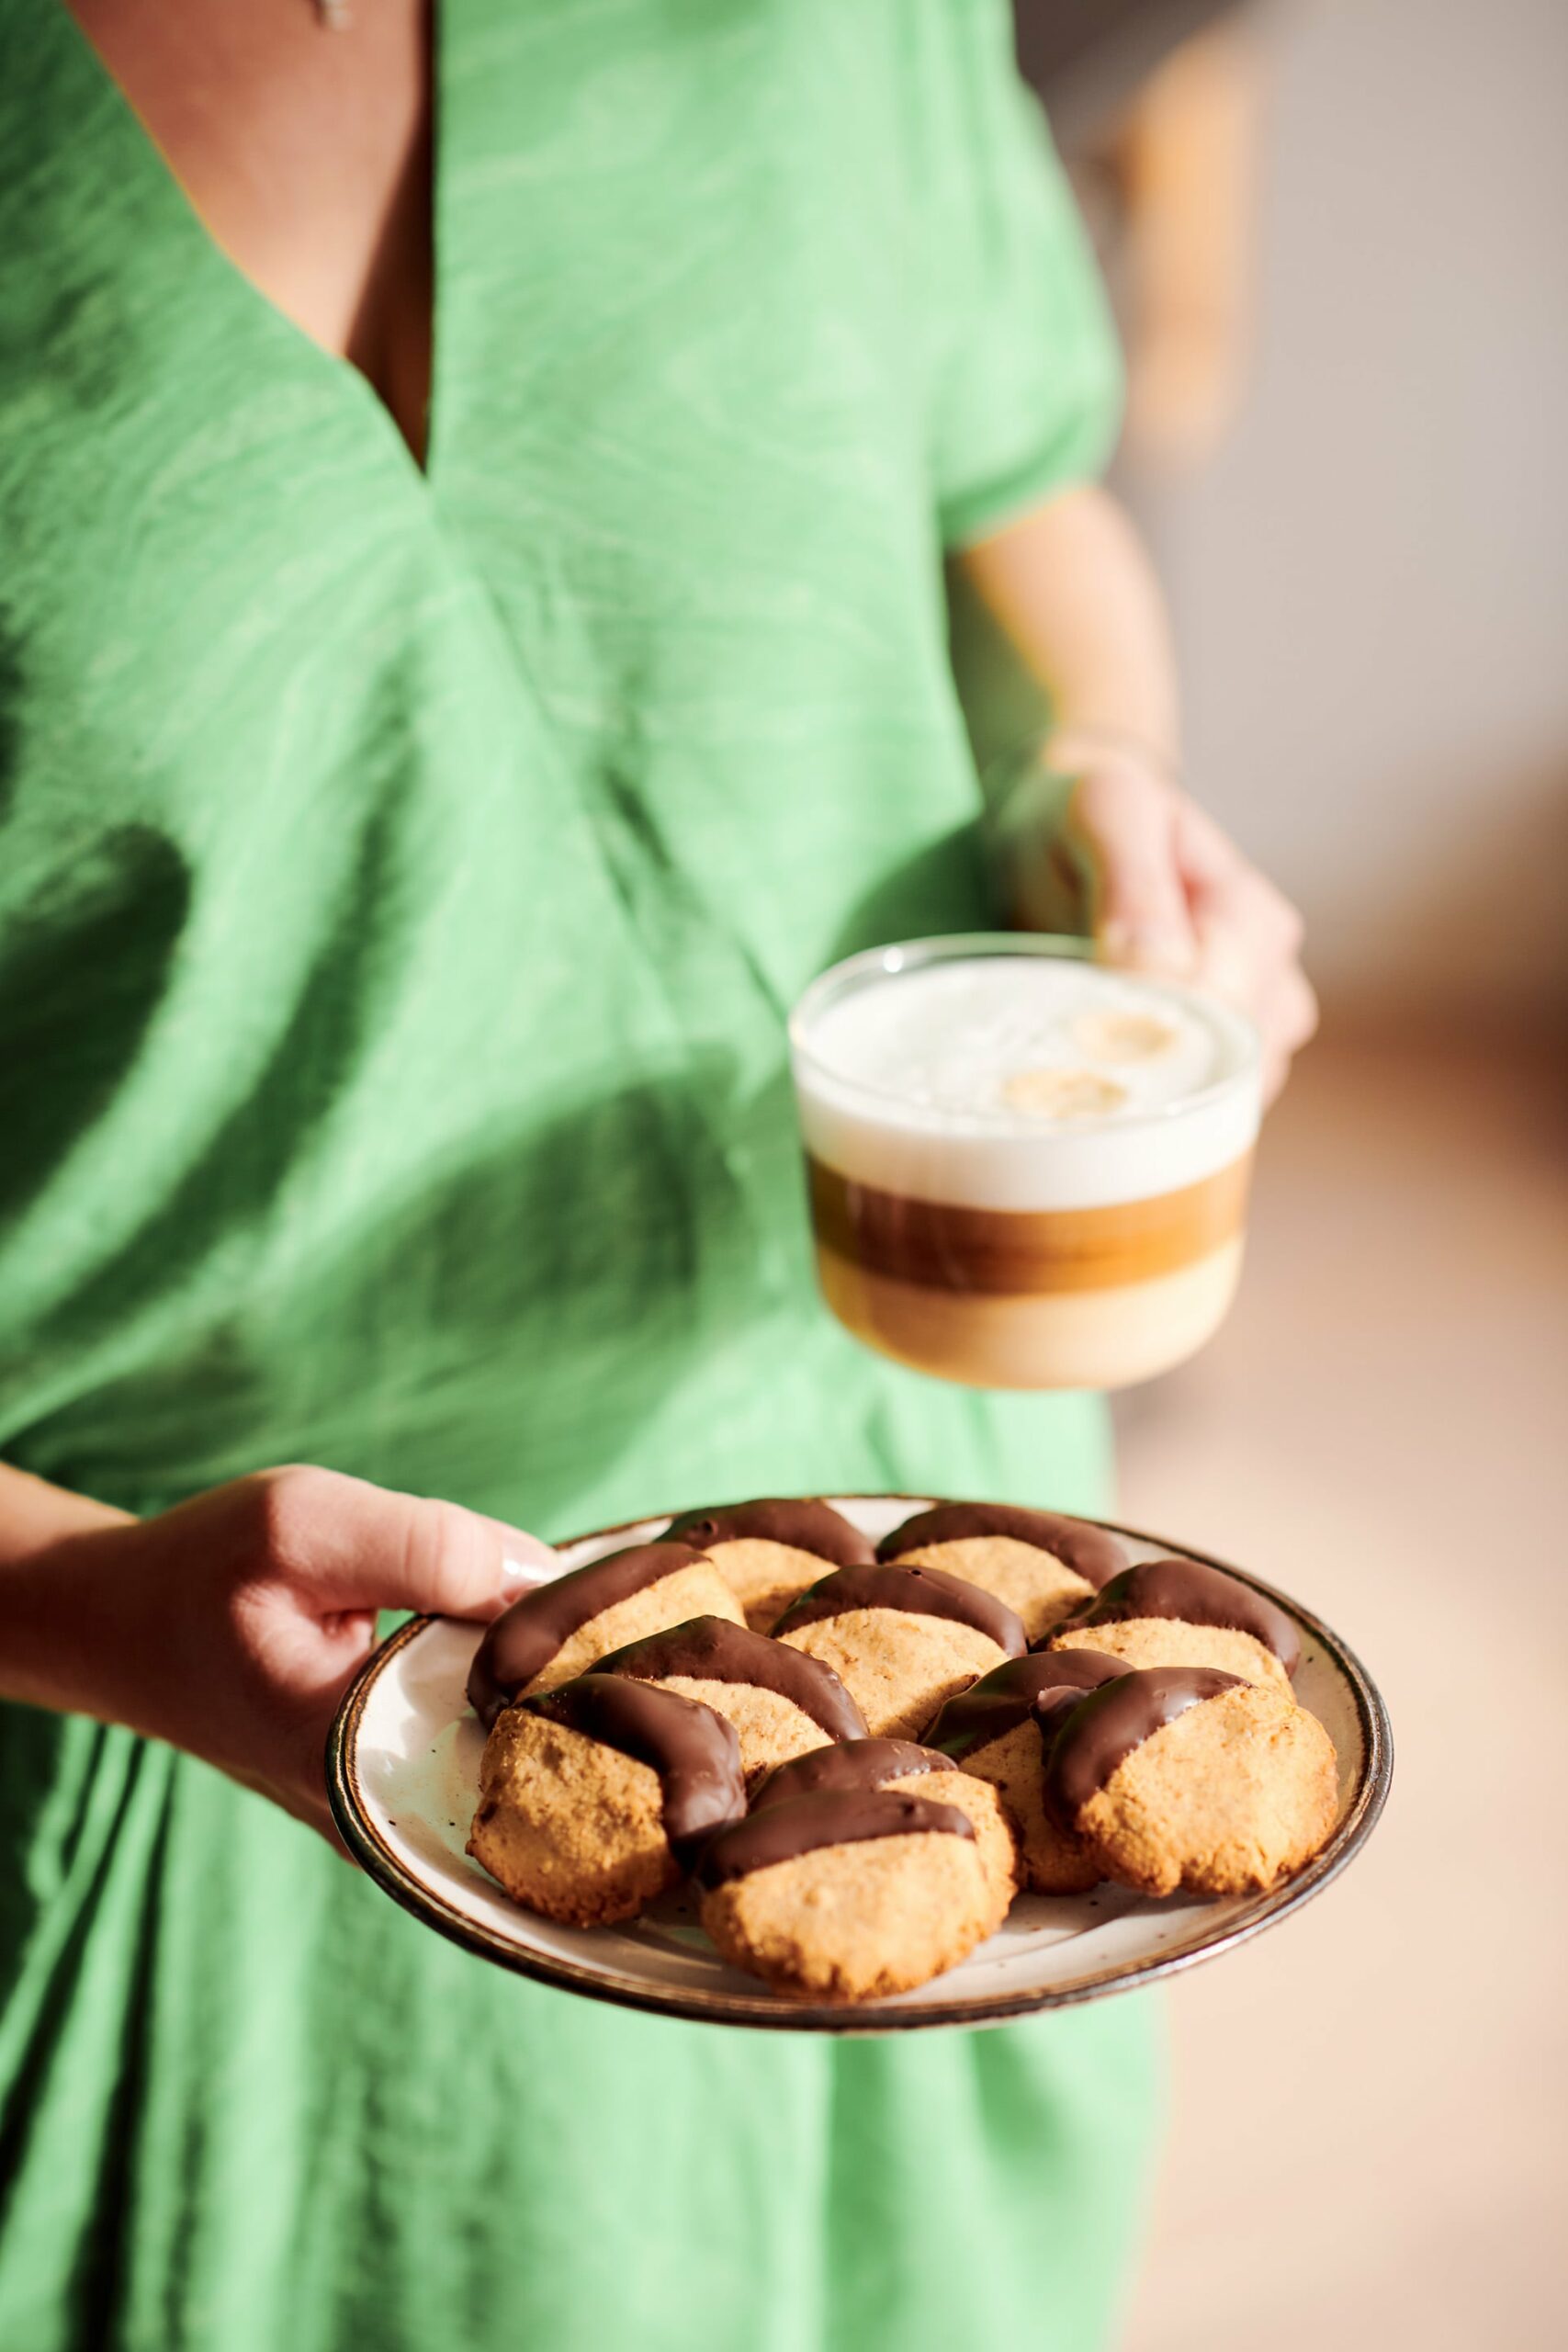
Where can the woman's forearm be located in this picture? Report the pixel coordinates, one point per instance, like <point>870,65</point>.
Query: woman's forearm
<point>46,1651</point>
<point>1072,590</point>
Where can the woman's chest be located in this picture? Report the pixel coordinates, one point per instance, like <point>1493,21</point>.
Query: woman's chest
<point>304,153</point>
<point>676,479</point>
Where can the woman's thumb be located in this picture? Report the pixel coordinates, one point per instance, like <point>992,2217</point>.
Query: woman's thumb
<point>361,1546</point>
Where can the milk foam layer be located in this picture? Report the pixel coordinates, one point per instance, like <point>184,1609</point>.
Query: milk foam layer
<point>949,1038</point>
<point>918,1080</point>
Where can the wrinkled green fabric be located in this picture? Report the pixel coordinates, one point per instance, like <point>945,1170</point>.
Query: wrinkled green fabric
<point>402,883</point>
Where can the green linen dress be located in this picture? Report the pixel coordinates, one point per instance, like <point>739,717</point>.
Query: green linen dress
<point>403,879</point>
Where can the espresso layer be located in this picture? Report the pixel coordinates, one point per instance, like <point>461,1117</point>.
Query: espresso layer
<point>1088,1339</point>
<point>939,1246</point>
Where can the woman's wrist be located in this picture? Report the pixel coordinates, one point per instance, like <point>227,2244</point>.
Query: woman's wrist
<point>60,1641</point>
<point>1043,879</point>
<point>1074,747</point>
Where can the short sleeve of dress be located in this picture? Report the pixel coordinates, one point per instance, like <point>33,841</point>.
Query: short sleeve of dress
<point>1026,378</point>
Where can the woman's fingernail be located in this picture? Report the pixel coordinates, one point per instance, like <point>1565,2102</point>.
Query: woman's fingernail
<point>517,1575</point>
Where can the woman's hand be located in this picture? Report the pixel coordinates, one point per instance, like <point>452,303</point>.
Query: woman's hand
<point>232,1625</point>
<point>1167,892</point>
<point>1069,591</point>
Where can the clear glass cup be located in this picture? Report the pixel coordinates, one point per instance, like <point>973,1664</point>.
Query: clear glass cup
<point>1071,1218</point>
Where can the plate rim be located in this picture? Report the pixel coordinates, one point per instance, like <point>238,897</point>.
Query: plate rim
<point>769,2012</point>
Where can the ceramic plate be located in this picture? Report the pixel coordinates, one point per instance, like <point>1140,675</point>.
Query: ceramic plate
<point>402,1766</point>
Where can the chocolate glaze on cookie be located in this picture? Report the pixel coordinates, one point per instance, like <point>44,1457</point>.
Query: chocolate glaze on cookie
<point>832,1817</point>
<point>712,1649</point>
<point>1106,1725</point>
<point>694,1751</point>
<point>860,1764</point>
<point>1196,1595</point>
<point>522,1641</point>
<point>802,1522</point>
<point>1012,1693</point>
<point>1088,1550</point>
<point>925,1592</point>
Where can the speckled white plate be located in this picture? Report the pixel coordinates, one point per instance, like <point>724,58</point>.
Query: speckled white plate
<point>403,1767</point>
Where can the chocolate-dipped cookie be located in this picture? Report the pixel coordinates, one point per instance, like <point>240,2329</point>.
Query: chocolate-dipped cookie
<point>1180,1613</point>
<point>1040,1562</point>
<point>1188,1777</point>
<point>901,1639</point>
<point>858,1764</point>
<point>902,1765</point>
<point>768,1552</point>
<point>781,1702</point>
<point>1001,1730</point>
<point>595,1796</point>
<point>848,1894</point>
<point>561,1628</point>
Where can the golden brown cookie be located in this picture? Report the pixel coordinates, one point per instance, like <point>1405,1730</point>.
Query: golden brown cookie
<point>901,1765</point>
<point>1181,1612</point>
<point>901,1640</point>
<point>1040,1562</point>
<point>1187,1777</point>
<point>1001,1730</point>
<point>848,1894</point>
<point>594,1796</point>
<point>781,1702</point>
<point>768,1552</point>
<point>561,1628</point>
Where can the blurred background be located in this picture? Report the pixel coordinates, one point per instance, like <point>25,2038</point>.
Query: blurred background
<point>1335,229</point>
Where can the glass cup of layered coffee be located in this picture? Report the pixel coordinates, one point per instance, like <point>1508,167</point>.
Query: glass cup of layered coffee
<point>1026,1171</point>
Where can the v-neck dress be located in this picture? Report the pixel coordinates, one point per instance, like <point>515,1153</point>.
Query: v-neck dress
<point>403,880</point>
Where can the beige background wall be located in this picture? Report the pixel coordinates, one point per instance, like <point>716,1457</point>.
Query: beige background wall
<point>1370,579</point>
<point>1371,584</point>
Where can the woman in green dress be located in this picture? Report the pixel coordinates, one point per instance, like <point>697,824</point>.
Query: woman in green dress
<point>472,645</point>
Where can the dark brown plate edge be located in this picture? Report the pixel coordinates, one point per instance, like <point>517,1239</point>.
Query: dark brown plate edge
<point>772,2013</point>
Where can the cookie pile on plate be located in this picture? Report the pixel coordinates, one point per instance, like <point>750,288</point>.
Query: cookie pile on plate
<point>860,1756</point>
